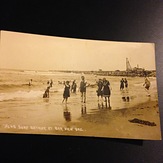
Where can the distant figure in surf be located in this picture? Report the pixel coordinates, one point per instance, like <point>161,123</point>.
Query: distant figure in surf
<point>83,89</point>
<point>66,93</point>
<point>147,85</point>
<point>30,82</point>
<point>126,83</point>
<point>73,87</point>
<point>46,94</point>
<point>51,83</point>
<point>122,84</point>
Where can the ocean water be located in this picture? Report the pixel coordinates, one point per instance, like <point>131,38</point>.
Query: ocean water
<point>24,103</point>
<point>14,86</point>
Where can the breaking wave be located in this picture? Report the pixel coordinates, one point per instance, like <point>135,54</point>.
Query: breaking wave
<point>20,95</point>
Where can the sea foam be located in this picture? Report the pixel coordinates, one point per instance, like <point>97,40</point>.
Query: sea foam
<point>20,95</point>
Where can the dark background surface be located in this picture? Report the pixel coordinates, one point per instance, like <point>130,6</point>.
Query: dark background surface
<point>113,20</point>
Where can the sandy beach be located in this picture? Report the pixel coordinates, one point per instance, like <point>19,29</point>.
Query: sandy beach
<point>101,123</point>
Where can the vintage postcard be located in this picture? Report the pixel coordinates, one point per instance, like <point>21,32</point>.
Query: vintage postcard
<point>78,87</point>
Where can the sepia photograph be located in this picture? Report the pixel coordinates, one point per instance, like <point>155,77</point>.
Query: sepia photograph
<point>78,87</point>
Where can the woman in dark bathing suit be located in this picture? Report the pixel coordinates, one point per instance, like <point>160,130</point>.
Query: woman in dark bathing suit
<point>66,93</point>
<point>122,84</point>
<point>106,91</point>
<point>99,90</point>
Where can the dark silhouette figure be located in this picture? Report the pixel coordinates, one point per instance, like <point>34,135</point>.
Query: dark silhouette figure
<point>46,94</point>
<point>83,89</point>
<point>66,93</point>
<point>99,89</point>
<point>122,84</point>
<point>106,91</point>
<point>73,87</point>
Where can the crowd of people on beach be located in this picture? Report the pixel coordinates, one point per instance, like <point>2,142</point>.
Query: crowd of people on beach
<point>103,89</point>
<point>68,88</point>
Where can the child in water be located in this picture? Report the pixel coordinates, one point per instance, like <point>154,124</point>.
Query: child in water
<point>66,93</point>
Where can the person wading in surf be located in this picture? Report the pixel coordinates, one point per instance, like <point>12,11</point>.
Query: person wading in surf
<point>147,85</point>
<point>66,93</point>
<point>106,91</point>
<point>83,89</point>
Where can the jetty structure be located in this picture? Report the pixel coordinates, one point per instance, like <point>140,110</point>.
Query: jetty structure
<point>132,72</point>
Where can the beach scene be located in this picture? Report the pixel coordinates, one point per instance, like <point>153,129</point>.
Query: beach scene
<point>61,86</point>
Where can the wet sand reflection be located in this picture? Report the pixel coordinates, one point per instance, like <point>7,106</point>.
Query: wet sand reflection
<point>66,114</point>
<point>103,105</point>
<point>83,109</point>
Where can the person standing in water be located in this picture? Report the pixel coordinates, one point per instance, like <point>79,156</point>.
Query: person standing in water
<point>99,89</point>
<point>51,83</point>
<point>126,83</point>
<point>122,84</point>
<point>73,87</point>
<point>30,82</point>
<point>83,89</point>
<point>147,85</point>
<point>46,94</point>
<point>106,91</point>
<point>66,93</point>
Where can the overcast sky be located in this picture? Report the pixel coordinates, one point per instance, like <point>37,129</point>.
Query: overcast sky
<point>38,52</point>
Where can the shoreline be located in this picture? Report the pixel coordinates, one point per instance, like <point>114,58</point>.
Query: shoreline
<point>104,123</point>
